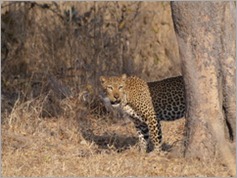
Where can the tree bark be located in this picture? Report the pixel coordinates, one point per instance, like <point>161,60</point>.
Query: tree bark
<point>207,59</point>
<point>227,61</point>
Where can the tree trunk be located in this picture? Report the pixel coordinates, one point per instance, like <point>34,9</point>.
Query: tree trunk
<point>207,58</point>
<point>227,62</point>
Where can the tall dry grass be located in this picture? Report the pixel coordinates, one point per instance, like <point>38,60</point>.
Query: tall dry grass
<point>58,50</point>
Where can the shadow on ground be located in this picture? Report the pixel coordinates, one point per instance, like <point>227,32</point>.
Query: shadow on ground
<point>111,140</point>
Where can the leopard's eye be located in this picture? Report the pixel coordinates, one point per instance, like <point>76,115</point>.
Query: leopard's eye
<point>120,87</point>
<point>109,87</point>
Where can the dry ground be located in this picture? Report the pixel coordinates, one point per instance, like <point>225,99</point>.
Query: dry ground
<point>32,146</point>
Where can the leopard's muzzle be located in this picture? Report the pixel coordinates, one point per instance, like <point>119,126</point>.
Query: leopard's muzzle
<point>115,103</point>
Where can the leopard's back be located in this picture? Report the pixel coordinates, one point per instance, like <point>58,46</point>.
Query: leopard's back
<point>168,98</point>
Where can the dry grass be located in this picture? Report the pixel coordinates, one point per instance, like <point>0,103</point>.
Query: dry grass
<point>91,146</point>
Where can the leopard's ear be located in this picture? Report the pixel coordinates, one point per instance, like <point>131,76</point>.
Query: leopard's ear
<point>124,77</point>
<point>102,79</point>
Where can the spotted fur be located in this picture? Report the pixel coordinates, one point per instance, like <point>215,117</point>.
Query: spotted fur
<point>168,98</point>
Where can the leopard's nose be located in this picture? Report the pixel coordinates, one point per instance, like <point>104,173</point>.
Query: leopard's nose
<point>116,95</point>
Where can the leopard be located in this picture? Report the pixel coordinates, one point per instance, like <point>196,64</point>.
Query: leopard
<point>146,104</point>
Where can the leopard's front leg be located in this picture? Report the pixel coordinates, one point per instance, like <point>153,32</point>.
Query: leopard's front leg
<point>155,132</point>
<point>148,130</point>
<point>143,135</point>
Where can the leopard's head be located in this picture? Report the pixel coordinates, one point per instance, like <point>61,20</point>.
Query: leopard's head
<point>114,88</point>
